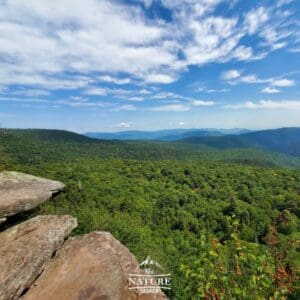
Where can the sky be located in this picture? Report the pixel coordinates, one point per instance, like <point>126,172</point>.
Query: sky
<point>112,65</point>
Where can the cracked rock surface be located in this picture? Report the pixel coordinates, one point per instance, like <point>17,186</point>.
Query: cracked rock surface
<point>93,266</point>
<point>26,248</point>
<point>21,192</point>
<point>38,262</point>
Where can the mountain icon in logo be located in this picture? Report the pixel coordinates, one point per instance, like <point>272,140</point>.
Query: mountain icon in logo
<point>150,266</point>
<point>150,278</point>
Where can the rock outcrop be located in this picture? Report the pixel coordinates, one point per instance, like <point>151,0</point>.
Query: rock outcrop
<point>36,261</point>
<point>94,266</point>
<point>21,192</point>
<point>25,249</point>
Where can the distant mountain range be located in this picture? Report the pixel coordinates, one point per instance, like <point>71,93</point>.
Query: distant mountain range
<point>164,135</point>
<point>282,140</point>
<point>279,147</point>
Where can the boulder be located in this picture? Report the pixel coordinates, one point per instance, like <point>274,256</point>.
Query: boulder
<point>26,248</point>
<point>21,192</point>
<point>94,266</point>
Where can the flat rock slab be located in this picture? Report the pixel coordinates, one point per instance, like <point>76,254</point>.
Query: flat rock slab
<point>94,266</point>
<point>26,248</point>
<point>21,192</point>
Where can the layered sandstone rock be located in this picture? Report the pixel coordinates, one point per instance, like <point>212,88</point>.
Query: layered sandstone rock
<point>26,248</point>
<point>21,192</point>
<point>94,266</point>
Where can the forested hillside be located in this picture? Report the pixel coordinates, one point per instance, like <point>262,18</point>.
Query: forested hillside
<point>33,145</point>
<point>225,229</point>
<point>282,140</point>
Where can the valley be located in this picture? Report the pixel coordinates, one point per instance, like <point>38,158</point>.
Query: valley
<point>171,200</point>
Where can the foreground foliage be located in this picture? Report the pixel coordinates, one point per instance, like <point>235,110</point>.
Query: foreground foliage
<point>236,269</point>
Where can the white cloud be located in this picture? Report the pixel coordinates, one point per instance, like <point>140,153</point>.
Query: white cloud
<point>283,2</point>
<point>74,101</point>
<point>253,79</point>
<point>159,78</point>
<point>216,39</point>
<point>199,7</point>
<point>79,98</point>
<point>243,53</point>
<point>165,95</point>
<point>24,100</point>
<point>36,93</point>
<point>110,79</point>
<point>27,92</point>
<point>13,77</point>
<point>277,33</point>
<point>181,123</point>
<point>144,92</point>
<point>84,38</point>
<point>171,108</point>
<point>100,36</point>
<point>267,104</point>
<point>96,92</point>
<point>217,91</point>
<point>117,93</point>
<point>126,107</point>
<point>81,103</point>
<point>124,125</point>
<point>255,19</point>
<point>270,90</point>
<point>136,98</point>
<point>206,90</point>
<point>276,46</point>
<point>231,74</point>
<point>202,103</point>
<point>283,82</point>
<point>295,50</point>
<point>179,98</point>
<point>121,93</point>
<point>147,3</point>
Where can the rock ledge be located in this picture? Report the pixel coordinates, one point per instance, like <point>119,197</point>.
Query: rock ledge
<point>37,263</point>
<point>25,249</point>
<point>21,192</point>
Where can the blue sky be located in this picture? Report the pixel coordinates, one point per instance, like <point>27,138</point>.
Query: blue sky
<point>99,65</point>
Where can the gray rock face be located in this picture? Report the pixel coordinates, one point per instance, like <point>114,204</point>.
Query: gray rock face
<point>21,192</point>
<point>26,248</point>
<point>94,266</point>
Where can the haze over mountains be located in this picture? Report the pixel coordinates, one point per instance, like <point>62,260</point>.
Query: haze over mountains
<point>164,135</point>
<point>282,140</point>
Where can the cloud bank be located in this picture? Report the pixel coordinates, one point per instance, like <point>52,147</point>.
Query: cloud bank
<point>71,44</point>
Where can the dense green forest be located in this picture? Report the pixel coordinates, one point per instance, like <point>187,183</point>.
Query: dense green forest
<point>224,223</point>
<point>34,146</point>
